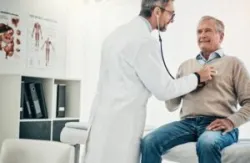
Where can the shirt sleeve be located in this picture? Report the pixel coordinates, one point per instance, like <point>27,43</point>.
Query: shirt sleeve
<point>241,81</point>
<point>150,69</point>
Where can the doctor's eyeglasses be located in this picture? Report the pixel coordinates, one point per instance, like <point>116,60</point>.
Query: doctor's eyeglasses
<point>172,13</point>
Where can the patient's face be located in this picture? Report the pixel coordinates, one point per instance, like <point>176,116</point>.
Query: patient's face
<point>209,39</point>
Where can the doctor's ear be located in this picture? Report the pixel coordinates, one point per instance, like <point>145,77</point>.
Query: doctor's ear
<point>157,12</point>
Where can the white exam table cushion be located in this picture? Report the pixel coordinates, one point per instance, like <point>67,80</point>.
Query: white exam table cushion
<point>186,153</point>
<point>77,125</point>
<point>73,136</point>
<point>76,133</point>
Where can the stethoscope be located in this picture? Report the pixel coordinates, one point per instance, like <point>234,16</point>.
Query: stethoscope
<point>162,55</point>
<point>201,85</point>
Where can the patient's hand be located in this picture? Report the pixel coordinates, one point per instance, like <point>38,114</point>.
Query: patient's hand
<point>224,125</point>
<point>206,73</point>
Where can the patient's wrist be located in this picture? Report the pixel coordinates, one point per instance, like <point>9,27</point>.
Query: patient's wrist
<point>231,123</point>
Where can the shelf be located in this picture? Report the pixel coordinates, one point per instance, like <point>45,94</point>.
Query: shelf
<point>32,127</point>
<point>34,120</point>
<point>50,119</point>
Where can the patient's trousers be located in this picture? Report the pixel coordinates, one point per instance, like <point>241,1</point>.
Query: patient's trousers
<point>208,143</point>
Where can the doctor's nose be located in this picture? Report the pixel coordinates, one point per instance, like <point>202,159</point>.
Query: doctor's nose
<point>172,18</point>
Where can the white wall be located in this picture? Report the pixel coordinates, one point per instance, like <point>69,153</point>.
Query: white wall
<point>179,40</point>
<point>48,11</point>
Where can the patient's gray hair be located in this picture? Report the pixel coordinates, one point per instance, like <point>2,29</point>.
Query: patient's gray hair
<point>148,5</point>
<point>220,27</point>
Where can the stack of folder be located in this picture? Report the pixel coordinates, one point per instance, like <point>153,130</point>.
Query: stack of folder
<point>33,103</point>
<point>61,100</point>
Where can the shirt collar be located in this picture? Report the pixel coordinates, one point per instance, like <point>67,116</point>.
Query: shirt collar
<point>218,53</point>
<point>147,23</point>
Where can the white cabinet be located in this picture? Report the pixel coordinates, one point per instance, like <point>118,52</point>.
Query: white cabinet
<point>11,126</point>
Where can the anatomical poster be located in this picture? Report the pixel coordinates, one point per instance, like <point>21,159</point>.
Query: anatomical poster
<point>10,36</point>
<point>41,42</point>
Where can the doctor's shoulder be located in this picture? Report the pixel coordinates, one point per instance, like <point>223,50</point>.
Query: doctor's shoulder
<point>144,47</point>
<point>149,42</point>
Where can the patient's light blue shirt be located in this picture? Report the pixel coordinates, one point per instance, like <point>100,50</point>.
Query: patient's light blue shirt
<point>215,55</point>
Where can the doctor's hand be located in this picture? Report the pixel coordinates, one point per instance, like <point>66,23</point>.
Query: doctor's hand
<point>206,73</point>
<point>225,125</point>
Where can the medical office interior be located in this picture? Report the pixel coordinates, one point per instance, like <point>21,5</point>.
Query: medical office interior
<point>56,46</point>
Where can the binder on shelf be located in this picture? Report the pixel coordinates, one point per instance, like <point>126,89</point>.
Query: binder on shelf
<point>61,103</point>
<point>41,98</point>
<point>34,101</point>
<point>22,101</point>
<point>27,109</point>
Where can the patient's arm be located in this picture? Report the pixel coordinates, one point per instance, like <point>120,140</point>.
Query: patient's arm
<point>174,104</point>
<point>241,81</point>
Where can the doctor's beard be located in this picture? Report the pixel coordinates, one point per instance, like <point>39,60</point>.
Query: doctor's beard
<point>163,28</point>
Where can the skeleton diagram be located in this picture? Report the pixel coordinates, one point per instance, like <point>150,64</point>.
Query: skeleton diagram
<point>48,45</point>
<point>37,30</point>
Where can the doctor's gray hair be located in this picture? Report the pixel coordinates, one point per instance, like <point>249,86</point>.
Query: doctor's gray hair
<point>148,5</point>
<point>220,27</point>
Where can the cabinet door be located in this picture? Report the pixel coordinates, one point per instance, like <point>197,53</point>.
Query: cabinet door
<point>10,90</point>
<point>35,130</point>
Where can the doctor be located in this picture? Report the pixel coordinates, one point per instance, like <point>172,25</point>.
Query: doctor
<point>131,70</point>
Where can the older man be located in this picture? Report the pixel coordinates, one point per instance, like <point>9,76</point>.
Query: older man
<point>208,115</point>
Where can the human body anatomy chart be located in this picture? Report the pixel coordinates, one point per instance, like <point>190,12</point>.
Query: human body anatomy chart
<point>10,36</point>
<point>41,41</point>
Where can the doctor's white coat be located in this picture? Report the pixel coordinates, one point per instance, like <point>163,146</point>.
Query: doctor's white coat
<point>131,70</point>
